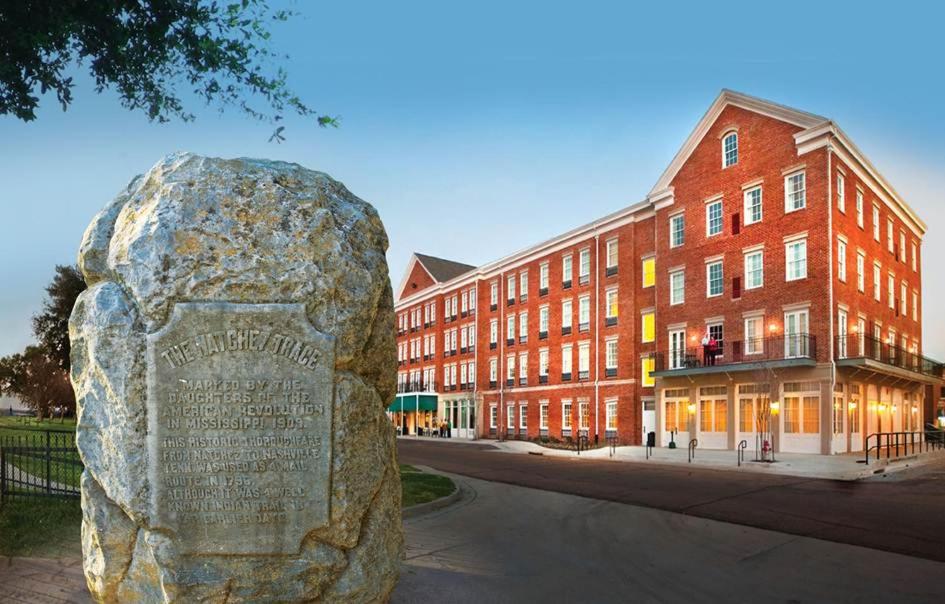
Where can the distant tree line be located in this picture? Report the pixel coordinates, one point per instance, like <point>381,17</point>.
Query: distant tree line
<point>39,376</point>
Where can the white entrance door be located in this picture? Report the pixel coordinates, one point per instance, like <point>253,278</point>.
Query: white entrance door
<point>649,418</point>
<point>677,348</point>
<point>795,334</point>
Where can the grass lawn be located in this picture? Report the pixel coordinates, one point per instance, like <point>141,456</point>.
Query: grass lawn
<point>40,528</point>
<point>29,432</point>
<point>419,487</point>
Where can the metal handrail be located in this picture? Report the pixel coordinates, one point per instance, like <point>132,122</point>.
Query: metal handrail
<point>692,448</point>
<point>612,441</point>
<point>741,451</point>
<point>903,443</point>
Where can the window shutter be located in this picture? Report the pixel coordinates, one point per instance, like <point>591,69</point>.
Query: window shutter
<point>736,223</point>
<point>736,287</point>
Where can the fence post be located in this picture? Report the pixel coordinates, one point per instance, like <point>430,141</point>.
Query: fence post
<point>3,474</point>
<point>48,474</point>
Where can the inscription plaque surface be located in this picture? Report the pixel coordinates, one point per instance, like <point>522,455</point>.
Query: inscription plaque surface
<point>239,405</point>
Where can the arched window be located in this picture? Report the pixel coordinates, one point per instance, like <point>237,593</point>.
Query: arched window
<point>730,149</point>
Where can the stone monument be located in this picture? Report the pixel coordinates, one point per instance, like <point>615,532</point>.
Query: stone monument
<point>232,360</point>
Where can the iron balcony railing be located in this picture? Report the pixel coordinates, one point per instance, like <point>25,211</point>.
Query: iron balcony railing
<point>796,346</point>
<point>862,346</point>
<point>415,386</point>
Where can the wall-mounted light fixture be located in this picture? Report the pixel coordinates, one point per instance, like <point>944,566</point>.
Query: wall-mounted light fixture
<point>775,407</point>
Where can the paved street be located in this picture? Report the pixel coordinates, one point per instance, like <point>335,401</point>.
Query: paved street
<point>511,544</point>
<point>901,513</point>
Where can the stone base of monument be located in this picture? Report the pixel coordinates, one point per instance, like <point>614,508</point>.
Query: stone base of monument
<point>232,360</point>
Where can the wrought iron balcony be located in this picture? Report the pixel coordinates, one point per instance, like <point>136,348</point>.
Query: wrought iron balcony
<point>851,348</point>
<point>418,386</point>
<point>796,349</point>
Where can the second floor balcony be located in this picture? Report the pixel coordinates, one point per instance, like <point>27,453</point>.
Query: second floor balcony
<point>867,352</point>
<point>743,355</point>
<point>417,386</point>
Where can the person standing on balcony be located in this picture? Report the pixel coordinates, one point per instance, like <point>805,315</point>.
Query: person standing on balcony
<point>706,358</point>
<point>713,349</point>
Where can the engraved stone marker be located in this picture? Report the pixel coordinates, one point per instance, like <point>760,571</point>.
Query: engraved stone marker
<point>232,359</point>
<point>239,426</point>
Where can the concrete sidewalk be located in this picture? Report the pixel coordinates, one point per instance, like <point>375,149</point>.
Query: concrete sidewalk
<point>832,467</point>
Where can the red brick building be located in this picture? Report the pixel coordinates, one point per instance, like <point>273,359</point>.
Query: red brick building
<point>770,236</point>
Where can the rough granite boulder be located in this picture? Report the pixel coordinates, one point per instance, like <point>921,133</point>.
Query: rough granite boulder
<point>198,239</point>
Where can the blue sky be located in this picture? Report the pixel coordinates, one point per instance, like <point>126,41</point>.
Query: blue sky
<point>477,129</point>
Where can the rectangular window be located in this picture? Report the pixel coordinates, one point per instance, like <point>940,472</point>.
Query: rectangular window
<point>464,303</point>
<point>876,222</point>
<point>859,209</point>
<point>611,355</point>
<point>842,329</point>
<point>713,416</point>
<point>493,331</point>
<point>611,410</point>
<point>566,415</point>
<point>754,344</point>
<point>796,337</point>
<point>795,192</point>
<point>543,320</point>
<point>647,364</point>
<point>889,235</point>
<point>753,205</point>
<point>585,265</point>
<point>754,270</point>
<point>493,416</point>
<point>649,272</point>
<point>796,260</point>
<point>543,362</point>
<point>566,359</point>
<point>566,270</point>
<point>523,285</point>
<point>902,246</point>
<point>677,287</point>
<point>792,415</point>
<point>811,415</point>
<point>523,366</point>
<point>717,333</point>
<point>543,416</point>
<point>584,313</point>
<point>510,288</point>
<point>510,417</point>
<point>713,218</point>
<point>649,327</point>
<point>493,370</point>
<point>566,319</point>
<point>510,327</point>
<point>584,416</point>
<point>891,290</point>
<point>523,326</point>
<point>677,230</point>
<point>522,417</point>
<point>915,305</point>
<point>611,301</point>
<point>903,310</point>
<point>612,253</point>
<point>861,271</point>
<point>713,279</point>
<point>841,194</point>
<point>543,276</point>
<point>510,367</point>
<point>842,260</point>
<point>877,283</point>
<point>584,360</point>
<point>494,294</point>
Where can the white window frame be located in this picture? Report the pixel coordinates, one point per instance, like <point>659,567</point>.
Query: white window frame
<point>566,408</point>
<point>612,253</point>
<point>915,257</point>
<point>493,416</point>
<point>523,323</point>
<point>493,369</point>
<point>790,204</point>
<point>915,305</point>
<point>708,279</point>
<point>584,310</point>
<point>567,268</point>
<point>890,240</point>
<point>493,331</point>
<point>543,415</point>
<point>608,306</point>
<point>859,208</point>
<point>543,318</point>
<point>673,301</point>
<point>494,294</point>
<point>673,243</point>
<point>611,353</point>
<point>729,155</point>
<point>861,271</point>
<point>841,260</point>
<point>788,261</point>
<point>877,281</point>
<point>584,263</point>
<point>749,205</point>
<point>543,271</point>
<point>754,334</point>
<point>749,272</point>
<point>543,362</point>
<point>567,358</point>
<point>841,193</point>
<point>567,313</point>
<point>523,416</point>
<point>523,283</point>
<point>510,287</point>
<point>610,414</point>
<point>708,218</point>
<point>875,222</point>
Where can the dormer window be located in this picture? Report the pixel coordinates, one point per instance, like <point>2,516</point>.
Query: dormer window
<point>730,149</point>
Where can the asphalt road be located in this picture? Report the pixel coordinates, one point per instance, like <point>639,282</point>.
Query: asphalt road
<point>903,514</point>
<point>505,543</point>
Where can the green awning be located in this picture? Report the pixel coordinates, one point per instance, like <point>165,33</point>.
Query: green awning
<point>413,402</point>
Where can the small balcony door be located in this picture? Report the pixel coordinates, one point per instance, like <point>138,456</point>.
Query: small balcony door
<point>677,348</point>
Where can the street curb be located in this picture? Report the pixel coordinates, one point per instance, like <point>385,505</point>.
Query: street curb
<point>437,504</point>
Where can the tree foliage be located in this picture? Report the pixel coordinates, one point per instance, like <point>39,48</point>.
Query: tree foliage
<point>51,326</point>
<point>147,51</point>
<point>38,382</point>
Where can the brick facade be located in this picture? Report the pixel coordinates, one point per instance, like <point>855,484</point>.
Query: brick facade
<point>773,144</point>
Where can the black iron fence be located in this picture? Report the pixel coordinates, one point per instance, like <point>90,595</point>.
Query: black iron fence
<point>39,463</point>
<point>796,346</point>
<point>854,346</point>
